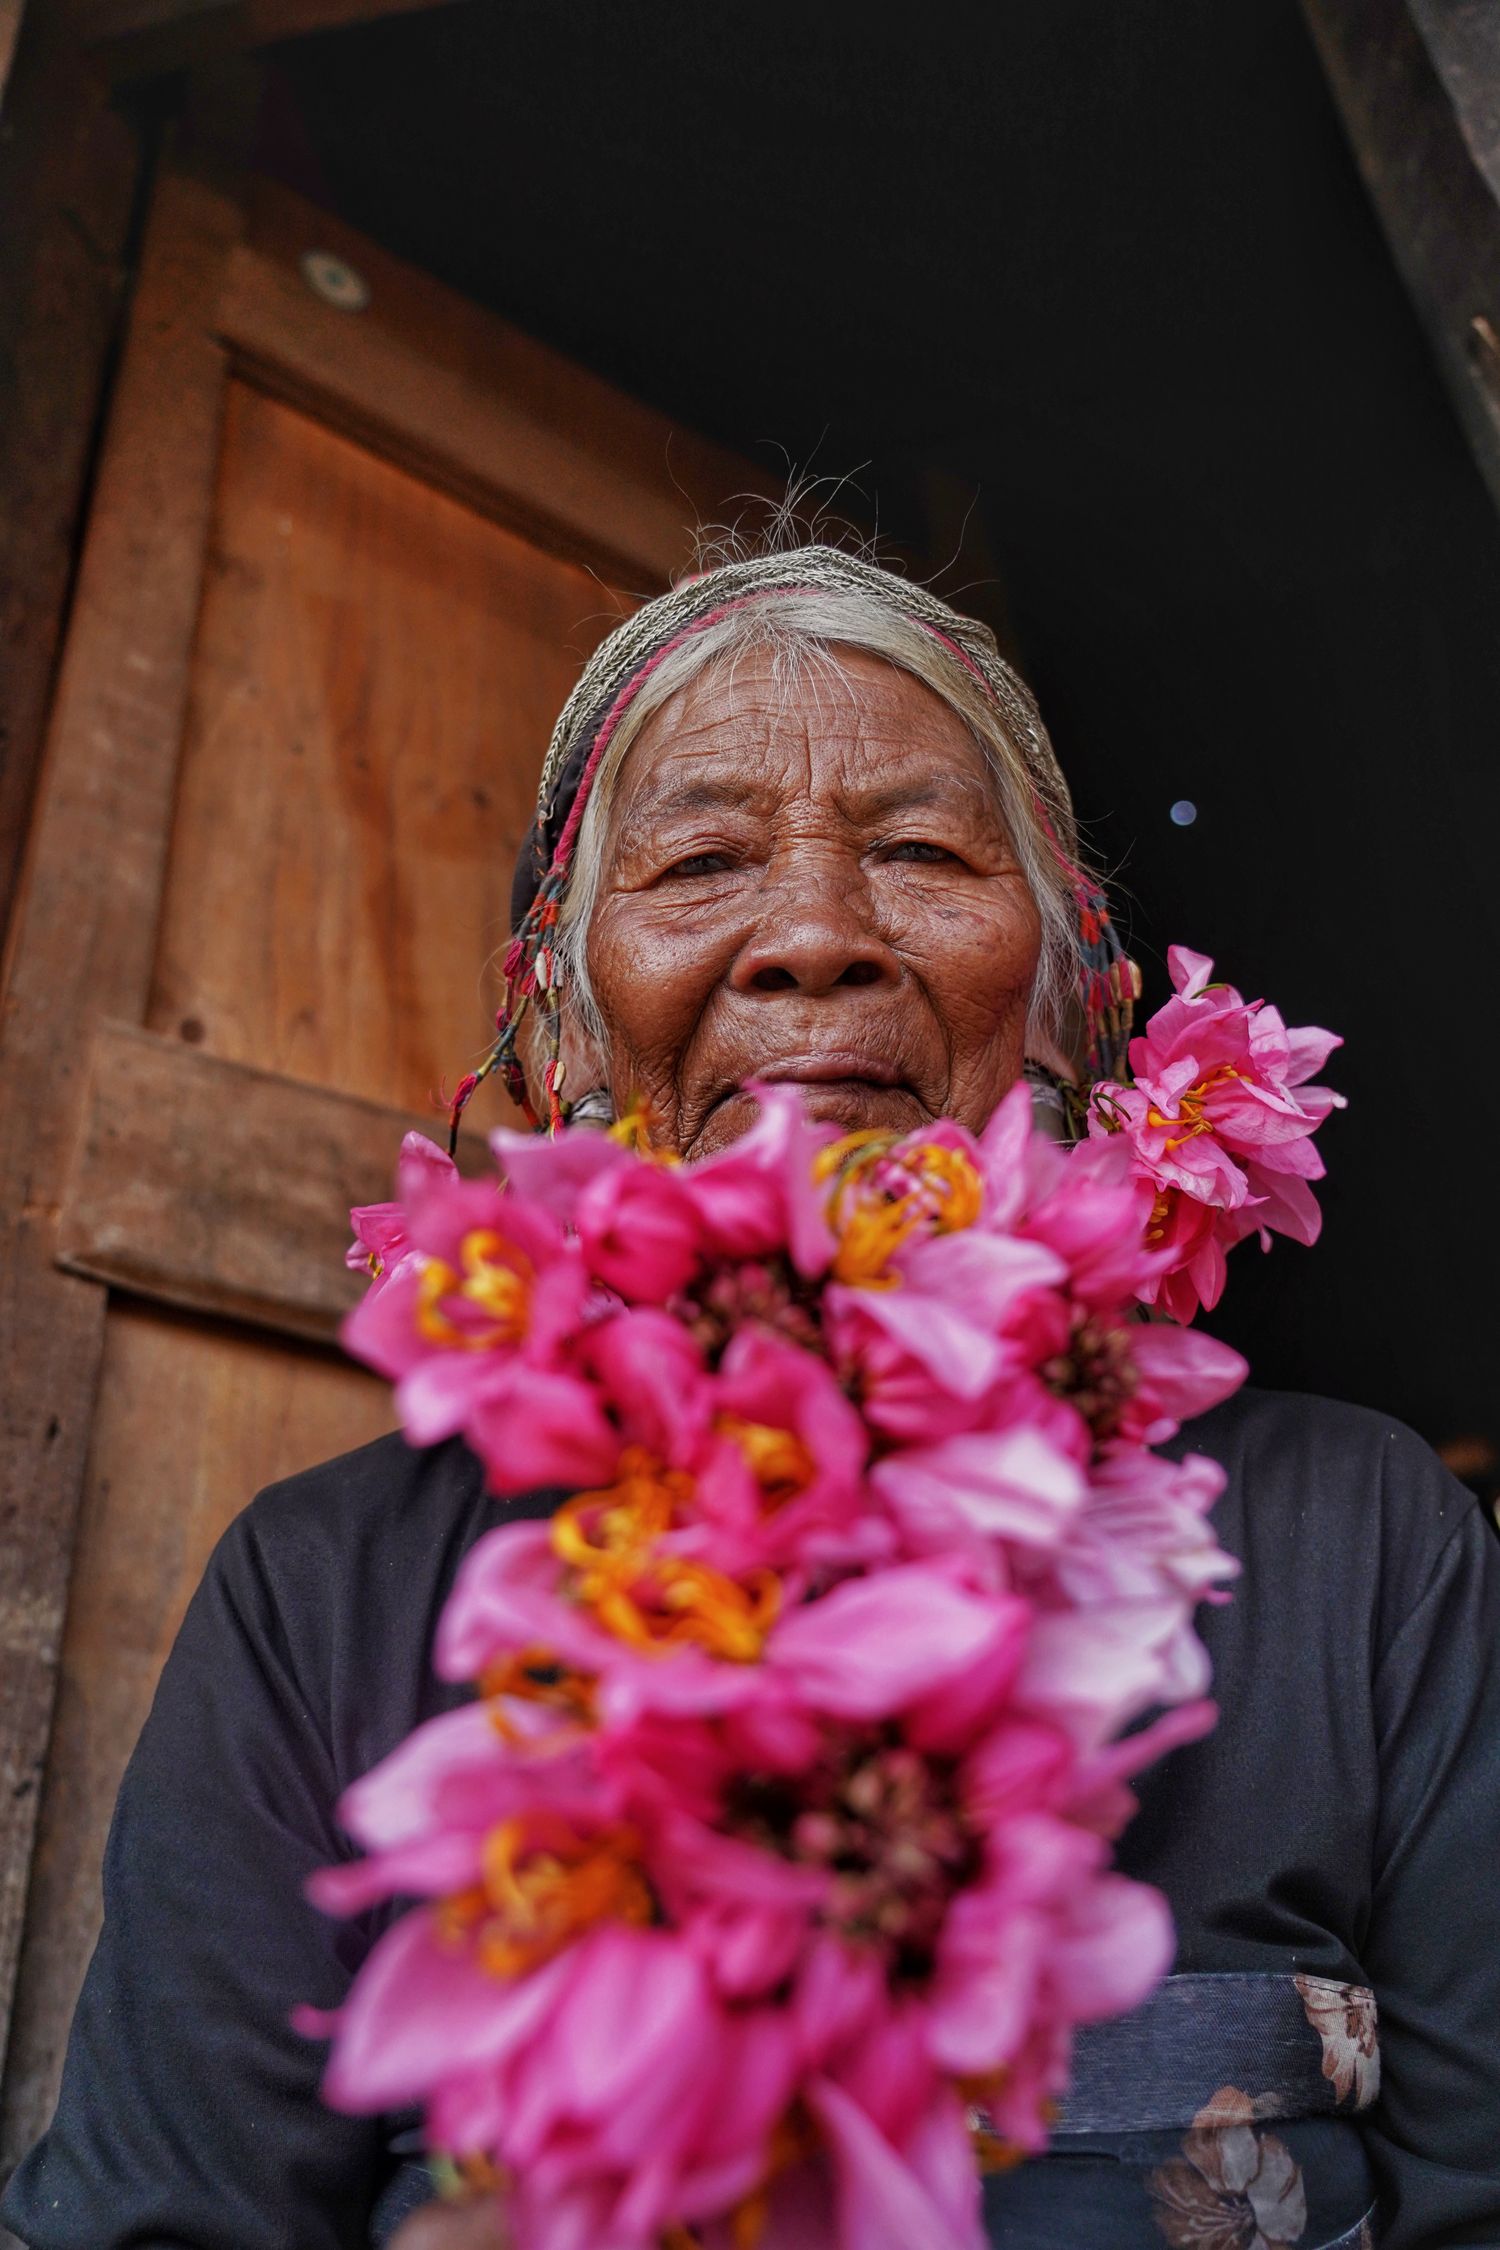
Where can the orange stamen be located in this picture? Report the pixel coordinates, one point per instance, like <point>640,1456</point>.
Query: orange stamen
<point>634,1131</point>
<point>1156,1224</point>
<point>460,2179</point>
<point>791,2141</point>
<point>873,1216</point>
<point>779,1461</point>
<point>958,1182</point>
<point>534,1899</point>
<point>992,2151</point>
<point>1190,1108</point>
<point>534,1675</point>
<point>495,1279</point>
<point>657,1601</point>
<point>669,1600</point>
<point>747,2221</point>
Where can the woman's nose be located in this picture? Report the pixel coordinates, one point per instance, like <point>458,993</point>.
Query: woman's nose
<point>815,934</point>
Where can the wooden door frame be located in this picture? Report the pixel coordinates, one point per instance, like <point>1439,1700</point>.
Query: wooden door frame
<point>74,160</point>
<point>84,927</point>
<point>1417,83</point>
<point>70,165</point>
<point>221,291</point>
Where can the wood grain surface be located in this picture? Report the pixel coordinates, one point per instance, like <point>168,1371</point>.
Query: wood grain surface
<point>194,1418</point>
<point>225,1190</point>
<point>377,672</point>
<point>84,932</point>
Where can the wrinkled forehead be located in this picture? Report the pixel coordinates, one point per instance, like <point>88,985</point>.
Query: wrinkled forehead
<point>764,724</point>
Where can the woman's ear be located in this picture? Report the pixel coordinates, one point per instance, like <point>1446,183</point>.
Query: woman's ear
<point>1043,1049</point>
<point>583,1064</point>
<point>1059,1045</point>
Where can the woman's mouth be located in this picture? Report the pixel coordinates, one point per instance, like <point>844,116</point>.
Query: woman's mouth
<point>830,1069</point>
<point>844,1086</point>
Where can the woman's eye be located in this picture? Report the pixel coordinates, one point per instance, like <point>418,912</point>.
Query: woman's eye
<point>919,849</point>
<point>700,863</point>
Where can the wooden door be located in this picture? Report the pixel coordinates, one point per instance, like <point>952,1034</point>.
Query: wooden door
<point>351,542</point>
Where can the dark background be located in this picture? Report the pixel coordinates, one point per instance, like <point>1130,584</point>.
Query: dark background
<point>1103,268</point>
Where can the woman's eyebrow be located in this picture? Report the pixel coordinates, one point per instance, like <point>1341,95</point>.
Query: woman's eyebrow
<point>652,816</point>
<point>908,796</point>
<point>707,795</point>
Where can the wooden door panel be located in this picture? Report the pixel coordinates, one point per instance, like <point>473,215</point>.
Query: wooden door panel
<point>376,674</point>
<point>193,1418</point>
<point>471,404</point>
<point>81,939</point>
<point>340,573</point>
<point>374,677</point>
<point>220,1189</point>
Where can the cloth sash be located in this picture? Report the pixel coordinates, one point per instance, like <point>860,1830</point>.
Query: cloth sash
<point>1300,2046</point>
<point>1219,2113</point>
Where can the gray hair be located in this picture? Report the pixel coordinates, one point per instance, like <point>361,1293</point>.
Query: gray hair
<point>804,629</point>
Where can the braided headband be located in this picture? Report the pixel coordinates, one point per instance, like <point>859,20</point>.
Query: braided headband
<point>610,682</point>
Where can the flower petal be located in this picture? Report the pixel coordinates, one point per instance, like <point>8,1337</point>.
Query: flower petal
<point>882,2204</point>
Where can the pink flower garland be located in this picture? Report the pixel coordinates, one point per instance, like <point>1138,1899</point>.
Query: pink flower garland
<point>768,1869</point>
<point>1219,1119</point>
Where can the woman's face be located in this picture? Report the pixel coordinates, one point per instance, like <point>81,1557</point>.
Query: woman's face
<point>810,883</point>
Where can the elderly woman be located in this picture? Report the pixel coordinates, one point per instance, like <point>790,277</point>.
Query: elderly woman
<point>799,822</point>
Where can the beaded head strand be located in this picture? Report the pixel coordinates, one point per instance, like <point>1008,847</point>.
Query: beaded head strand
<point>1108,982</point>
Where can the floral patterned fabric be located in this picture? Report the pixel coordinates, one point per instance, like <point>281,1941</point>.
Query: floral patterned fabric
<point>1217,2117</point>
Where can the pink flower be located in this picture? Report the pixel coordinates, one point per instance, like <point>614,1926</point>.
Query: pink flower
<point>923,1352</point>
<point>1083,1205</point>
<point>473,1325</point>
<point>591,1997</point>
<point>1090,1672</point>
<point>551,1172</point>
<point>924,2189</point>
<point>420,2014</point>
<point>533,2008</point>
<point>981,1489</point>
<point>779,1466</point>
<point>903,1639</point>
<point>425,1811</point>
<point>651,1376</point>
<point>491,1272</point>
<point>746,1911</point>
<point>1194,1240</point>
<point>870,1645</point>
<point>640,1231</point>
<point>1091,1212</point>
<point>531,1426</point>
<point>1143,1539</point>
<point>1178,1374</point>
<point>759,1195</point>
<point>380,1229</point>
<point>1219,1123</point>
<point>517,1598</point>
